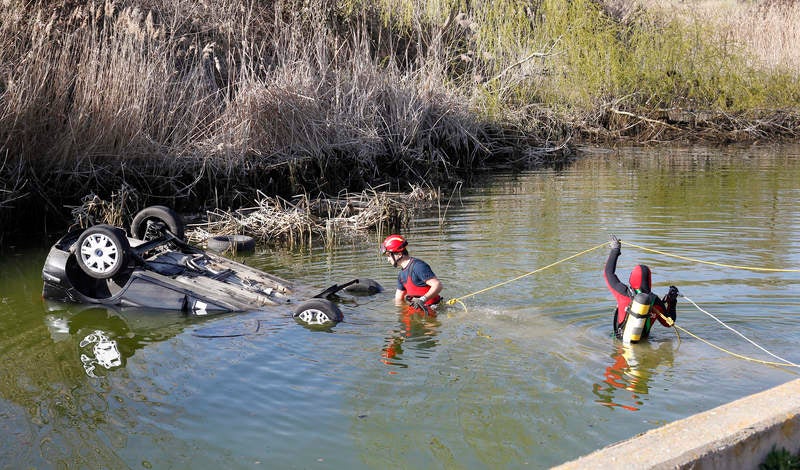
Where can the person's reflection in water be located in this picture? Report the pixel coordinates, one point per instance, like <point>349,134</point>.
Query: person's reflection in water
<point>417,331</point>
<point>633,367</point>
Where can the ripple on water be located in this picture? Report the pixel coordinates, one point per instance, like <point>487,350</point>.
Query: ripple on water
<point>522,374</point>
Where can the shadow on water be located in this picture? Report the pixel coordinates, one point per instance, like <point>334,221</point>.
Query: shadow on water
<point>76,396</point>
<point>54,385</point>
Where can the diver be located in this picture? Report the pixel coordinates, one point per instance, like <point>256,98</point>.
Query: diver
<point>417,285</point>
<point>637,307</point>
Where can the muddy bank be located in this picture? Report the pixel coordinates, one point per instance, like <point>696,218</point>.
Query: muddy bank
<point>45,204</point>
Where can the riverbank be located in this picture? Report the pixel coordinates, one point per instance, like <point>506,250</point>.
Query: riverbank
<point>740,434</point>
<point>203,106</point>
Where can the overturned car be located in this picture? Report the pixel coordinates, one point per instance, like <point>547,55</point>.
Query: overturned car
<point>154,267</point>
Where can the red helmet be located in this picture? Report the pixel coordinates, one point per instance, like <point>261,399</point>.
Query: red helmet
<point>393,244</point>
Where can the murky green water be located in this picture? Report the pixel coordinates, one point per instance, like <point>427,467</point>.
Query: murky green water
<point>523,375</point>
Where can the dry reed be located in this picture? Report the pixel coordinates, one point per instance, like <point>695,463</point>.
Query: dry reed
<point>274,220</point>
<point>95,210</point>
<point>769,31</point>
<point>199,104</point>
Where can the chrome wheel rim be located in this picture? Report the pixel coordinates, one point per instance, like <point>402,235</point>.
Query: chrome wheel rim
<point>314,316</point>
<point>99,253</point>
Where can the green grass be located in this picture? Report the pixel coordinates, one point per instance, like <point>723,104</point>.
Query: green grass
<point>780,459</point>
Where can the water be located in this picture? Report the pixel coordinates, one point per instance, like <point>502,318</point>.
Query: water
<point>522,375</point>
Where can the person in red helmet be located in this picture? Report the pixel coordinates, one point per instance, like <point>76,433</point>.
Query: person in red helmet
<point>637,307</point>
<point>417,285</point>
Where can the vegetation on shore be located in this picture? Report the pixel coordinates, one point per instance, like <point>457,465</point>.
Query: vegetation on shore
<point>202,105</point>
<point>276,220</point>
<point>780,459</point>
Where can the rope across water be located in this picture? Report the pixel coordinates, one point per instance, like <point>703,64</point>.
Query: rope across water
<point>695,260</point>
<point>783,362</point>
<point>459,299</point>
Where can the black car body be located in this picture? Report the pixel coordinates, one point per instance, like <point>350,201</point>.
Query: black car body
<point>156,268</point>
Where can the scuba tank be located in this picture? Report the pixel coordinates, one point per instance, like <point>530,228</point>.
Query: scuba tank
<point>638,311</point>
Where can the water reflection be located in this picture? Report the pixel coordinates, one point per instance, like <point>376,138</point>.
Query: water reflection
<point>105,337</point>
<point>627,379</point>
<point>68,387</point>
<point>417,330</point>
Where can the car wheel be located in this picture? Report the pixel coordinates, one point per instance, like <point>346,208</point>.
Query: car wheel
<point>162,215</point>
<point>102,251</point>
<point>318,312</point>
<point>364,287</point>
<point>235,243</point>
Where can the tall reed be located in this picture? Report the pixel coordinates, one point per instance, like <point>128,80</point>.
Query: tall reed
<point>202,104</point>
<point>769,31</point>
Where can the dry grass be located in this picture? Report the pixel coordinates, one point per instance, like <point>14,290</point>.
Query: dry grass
<point>195,104</point>
<point>198,104</point>
<point>275,220</point>
<point>95,210</point>
<point>12,184</point>
<point>769,31</point>
<point>278,221</point>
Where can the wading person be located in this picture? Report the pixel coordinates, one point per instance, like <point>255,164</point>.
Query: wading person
<point>417,285</point>
<point>637,307</point>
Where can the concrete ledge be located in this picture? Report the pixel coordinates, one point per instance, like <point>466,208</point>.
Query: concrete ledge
<point>739,434</point>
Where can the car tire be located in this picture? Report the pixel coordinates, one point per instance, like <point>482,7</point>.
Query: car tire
<point>318,312</point>
<point>235,243</point>
<point>159,214</point>
<point>364,287</point>
<point>102,251</point>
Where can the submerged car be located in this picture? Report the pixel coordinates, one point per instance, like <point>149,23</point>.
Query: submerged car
<point>154,267</point>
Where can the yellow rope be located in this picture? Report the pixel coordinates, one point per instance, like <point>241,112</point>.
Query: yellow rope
<point>740,356</point>
<point>772,363</point>
<point>452,301</point>
<point>459,299</point>
<point>750,268</point>
<point>666,319</point>
<point>670,322</point>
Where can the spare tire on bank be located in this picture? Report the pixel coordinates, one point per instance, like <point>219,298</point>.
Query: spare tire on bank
<point>235,243</point>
